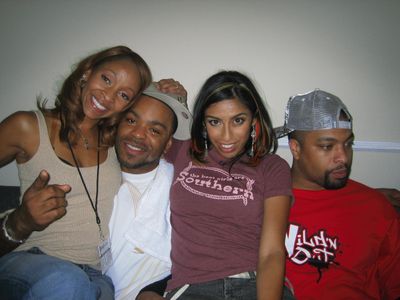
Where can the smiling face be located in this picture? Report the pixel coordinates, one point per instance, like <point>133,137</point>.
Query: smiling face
<point>144,134</point>
<point>322,158</point>
<point>228,125</point>
<point>109,89</point>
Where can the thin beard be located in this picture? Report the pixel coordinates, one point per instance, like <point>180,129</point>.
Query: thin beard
<point>137,165</point>
<point>329,185</point>
<point>127,165</point>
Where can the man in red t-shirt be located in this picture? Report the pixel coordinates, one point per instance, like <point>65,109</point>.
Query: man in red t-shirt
<point>343,241</point>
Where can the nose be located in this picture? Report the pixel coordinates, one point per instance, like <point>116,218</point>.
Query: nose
<point>226,133</point>
<point>138,132</point>
<point>109,94</point>
<point>341,154</point>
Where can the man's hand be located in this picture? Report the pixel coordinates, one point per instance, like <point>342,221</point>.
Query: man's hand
<point>172,86</point>
<point>42,204</point>
<point>149,296</point>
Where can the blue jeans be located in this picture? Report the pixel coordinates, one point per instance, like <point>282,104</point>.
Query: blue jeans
<point>224,289</point>
<point>34,275</point>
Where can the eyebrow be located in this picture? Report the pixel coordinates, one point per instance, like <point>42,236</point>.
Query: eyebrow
<point>235,116</point>
<point>331,139</point>
<point>153,122</point>
<point>110,70</point>
<point>115,75</point>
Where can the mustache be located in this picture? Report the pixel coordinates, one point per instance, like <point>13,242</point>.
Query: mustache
<point>132,141</point>
<point>340,168</point>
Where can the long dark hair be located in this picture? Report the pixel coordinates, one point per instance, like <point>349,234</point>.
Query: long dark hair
<point>233,85</point>
<point>68,104</point>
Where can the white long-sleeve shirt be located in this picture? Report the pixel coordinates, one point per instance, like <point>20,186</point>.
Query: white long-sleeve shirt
<point>140,231</point>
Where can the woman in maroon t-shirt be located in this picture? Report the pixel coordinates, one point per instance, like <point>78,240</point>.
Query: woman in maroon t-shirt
<point>230,198</point>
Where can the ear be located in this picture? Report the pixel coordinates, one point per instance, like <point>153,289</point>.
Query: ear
<point>84,78</point>
<point>295,148</point>
<point>168,145</point>
<point>86,75</point>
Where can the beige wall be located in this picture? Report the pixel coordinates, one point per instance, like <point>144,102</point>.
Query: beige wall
<point>347,47</point>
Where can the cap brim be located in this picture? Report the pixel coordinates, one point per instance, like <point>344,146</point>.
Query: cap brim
<point>281,131</point>
<point>182,113</point>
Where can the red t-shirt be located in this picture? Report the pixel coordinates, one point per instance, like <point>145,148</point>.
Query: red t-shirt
<point>343,244</point>
<point>217,213</point>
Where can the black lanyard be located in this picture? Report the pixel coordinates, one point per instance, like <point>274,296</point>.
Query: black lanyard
<point>94,205</point>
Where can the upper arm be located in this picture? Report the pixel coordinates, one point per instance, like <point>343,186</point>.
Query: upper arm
<point>274,226</point>
<point>18,137</point>
<point>392,195</point>
<point>389,261</point>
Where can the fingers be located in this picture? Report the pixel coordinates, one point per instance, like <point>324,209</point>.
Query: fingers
<point>51,215</point>
<point>43,203</point>
<point>45,207</point>
<point>167,84</point>
<point>54,214</point>
<point>172,86</point>
<point>40,185</point>
<point>64,187</point>
<point>53,204</point>
<point>40,181</point>
<point>55,199</point>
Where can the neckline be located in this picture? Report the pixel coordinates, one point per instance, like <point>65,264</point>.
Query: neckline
<point>45,141</point>
<point>218,158</point>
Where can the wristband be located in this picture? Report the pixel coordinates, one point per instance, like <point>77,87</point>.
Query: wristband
<point>8,235</point>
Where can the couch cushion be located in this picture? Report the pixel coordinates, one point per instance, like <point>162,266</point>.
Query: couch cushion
<point>9,197</point>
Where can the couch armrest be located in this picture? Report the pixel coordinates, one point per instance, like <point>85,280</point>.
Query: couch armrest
<point>9,197</point>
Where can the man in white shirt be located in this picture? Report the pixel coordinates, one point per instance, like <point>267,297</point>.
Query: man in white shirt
<point>140,230</point>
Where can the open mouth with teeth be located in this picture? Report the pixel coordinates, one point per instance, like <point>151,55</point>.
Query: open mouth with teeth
<point>135,148</point>
<point>97,105</point>
<point>225,146</point>
<point>227,149</point>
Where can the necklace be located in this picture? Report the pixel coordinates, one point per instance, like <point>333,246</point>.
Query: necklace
<point>93,204</point>
<point>85,140</point>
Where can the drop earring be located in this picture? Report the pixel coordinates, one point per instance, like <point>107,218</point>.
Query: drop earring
<point>204,133</point>
<point>82,81</point>
<point>253,140</point>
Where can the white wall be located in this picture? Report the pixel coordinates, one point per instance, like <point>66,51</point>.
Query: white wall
<point>347,47</point>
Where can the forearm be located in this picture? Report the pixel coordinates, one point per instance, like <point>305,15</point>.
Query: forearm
<point>6,245</point>
<point>270,276</point>
<point>41,205</point>
<point>11,234</point>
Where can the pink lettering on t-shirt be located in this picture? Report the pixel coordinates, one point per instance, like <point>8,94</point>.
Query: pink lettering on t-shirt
<point>218,184</point>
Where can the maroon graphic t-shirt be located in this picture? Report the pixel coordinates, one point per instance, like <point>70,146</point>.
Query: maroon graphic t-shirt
<point>217,214</point>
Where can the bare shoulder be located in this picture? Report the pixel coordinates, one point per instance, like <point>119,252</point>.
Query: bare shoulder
<point>20,120</point>
<point>19,136</point>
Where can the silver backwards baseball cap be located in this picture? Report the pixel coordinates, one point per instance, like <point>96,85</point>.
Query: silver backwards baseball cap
<point>179,107</point>
<point>314,110</point>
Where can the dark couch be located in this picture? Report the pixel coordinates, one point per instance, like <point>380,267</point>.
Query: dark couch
<point>9,197</point>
